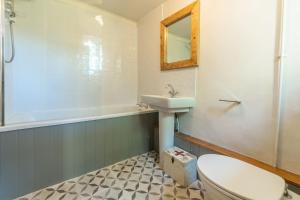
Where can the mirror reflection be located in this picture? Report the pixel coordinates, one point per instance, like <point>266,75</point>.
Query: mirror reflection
<point>179,40</point>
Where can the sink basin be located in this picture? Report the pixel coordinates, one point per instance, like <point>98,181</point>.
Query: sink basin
<point>168,104</point>
<point>167,108</point>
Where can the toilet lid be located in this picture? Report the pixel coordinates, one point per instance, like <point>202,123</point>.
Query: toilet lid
<point>241,179</point>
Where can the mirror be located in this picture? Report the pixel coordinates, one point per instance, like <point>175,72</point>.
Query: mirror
<point>179,38</point>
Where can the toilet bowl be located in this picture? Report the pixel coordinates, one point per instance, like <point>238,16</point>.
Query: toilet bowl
<point>226,178</point>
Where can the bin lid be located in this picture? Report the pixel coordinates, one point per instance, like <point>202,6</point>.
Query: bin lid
<point>182,156</point>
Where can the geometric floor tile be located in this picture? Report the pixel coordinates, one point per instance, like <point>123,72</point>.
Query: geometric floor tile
<point>138,178</point>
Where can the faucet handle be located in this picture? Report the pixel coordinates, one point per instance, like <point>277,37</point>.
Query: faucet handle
<point>173,93</point>
<point>143,105</point>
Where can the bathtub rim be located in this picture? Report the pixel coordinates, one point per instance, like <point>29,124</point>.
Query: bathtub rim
<point>40,124</point>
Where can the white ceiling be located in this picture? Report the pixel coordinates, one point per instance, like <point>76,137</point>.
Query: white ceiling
<point>131,9</point>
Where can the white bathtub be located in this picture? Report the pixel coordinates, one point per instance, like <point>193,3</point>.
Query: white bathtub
<point>59,117</point>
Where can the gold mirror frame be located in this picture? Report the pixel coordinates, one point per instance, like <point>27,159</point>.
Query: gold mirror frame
<point>193,10</point>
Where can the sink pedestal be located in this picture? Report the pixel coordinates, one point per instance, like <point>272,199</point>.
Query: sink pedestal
<point>167,108</point>
<point>166,133</point>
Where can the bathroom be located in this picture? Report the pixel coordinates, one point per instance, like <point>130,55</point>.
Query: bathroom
<point>160,99</point>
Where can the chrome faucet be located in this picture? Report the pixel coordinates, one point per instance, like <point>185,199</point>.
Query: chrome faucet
<point>172,91</point>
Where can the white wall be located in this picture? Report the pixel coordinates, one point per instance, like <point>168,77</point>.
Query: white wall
<point>237,48</point>
<point>289,152</point>
<point>151,79</point>
<point>69,56</point>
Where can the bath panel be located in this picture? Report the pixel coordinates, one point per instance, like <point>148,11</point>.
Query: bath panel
<point>32,159</point>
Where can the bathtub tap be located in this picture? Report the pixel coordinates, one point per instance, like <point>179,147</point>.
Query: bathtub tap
<point>143,105</point>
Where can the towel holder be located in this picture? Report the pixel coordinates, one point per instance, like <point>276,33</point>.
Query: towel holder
<point>230,101</point>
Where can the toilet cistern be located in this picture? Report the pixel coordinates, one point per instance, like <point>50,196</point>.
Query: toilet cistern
<point>167,107</point>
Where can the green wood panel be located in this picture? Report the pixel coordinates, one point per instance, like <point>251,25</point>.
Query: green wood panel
<point>108,138</point>
<point>57,132</point>
<point>45,156</point>
<point>68,154</point>
<point>79,148</point>
<point>35,158</point>
<point>9,164</point>
<point>90,146</point>
<point>130,137</point>
<point>115,139</point>
<point>99,146</point>
<point>123,138</point>
<point>26,161</point>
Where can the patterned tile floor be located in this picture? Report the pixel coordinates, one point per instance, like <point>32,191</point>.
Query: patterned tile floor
<point>137,178</point>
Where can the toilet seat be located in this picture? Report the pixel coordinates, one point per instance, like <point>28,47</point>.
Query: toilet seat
<point>240,179</point>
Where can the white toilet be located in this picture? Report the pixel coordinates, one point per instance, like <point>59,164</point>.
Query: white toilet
<point>226,178</point>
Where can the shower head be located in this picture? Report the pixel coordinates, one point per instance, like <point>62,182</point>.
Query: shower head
<point>10,9</point>
<point>10,13</point>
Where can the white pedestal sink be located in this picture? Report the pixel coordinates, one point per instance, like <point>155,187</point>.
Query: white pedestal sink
<point>167,108</point>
